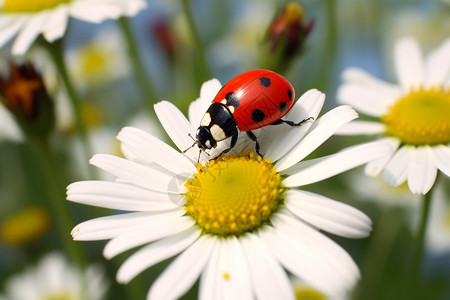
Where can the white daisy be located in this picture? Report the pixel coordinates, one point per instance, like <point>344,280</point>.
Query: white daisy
<point>413,114</point>
<point>438,229</point>
<point>29,18</point>
<point>377,191</point>
<point>55,278</point>
<point>236,222</point>
<point>99,61</point>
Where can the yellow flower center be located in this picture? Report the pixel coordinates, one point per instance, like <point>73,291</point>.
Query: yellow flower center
<point>94,59</point>
<point>21,6</point>
<point>60,297</point>
<point>234,194</point>
<point>91,115</point>
<point>420,118</point>
<point>308,293</point>
<point>24,226</point>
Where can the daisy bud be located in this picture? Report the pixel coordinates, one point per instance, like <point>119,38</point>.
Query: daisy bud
<point>286,36</point>
<point>24,94</point>
<point>164,35</point>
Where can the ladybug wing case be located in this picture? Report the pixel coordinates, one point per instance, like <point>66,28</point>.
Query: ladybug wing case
<point>257,98</point>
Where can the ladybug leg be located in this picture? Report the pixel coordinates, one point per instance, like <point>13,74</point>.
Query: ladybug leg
<point>234,138</point>
<point>252,136</point>
<point>291,123</point>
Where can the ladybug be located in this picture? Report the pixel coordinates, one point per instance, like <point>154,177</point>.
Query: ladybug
<point>249,101</point>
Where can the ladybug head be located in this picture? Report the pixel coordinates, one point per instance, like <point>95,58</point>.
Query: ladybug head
<point>205,139</point>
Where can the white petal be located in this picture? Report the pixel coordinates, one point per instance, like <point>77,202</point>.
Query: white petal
<point>396,170</point>
<point>29,32</point>
<point>155,229</point>
<point>177,127</point>
<point>409,64</point>
<point>310,255</point>
<point>422,171</point>
<point>122,196</point>
<point>319,132</point>
<point>132,7</point>
<point>375,167</point>
<point>442,158</point>
<point>229,275</point>
<point>111,226</point>
<point>9,129</point>
<point>198,108</point>
<point>366,94</point>
<point>361,128</point>
<point>285,136</point>
<point>437,66</point>
<point>56,23</point>
<point>9,26</point>
<point>151,149</point>
<point>329,215</point>
<point>209,285</point>
<point>269,280</point>
<point>359,76</point>
<point>233,261</point>
<point>147,177</point>
<point>337,163</point>
<point>183,271</point>
<point>155,253</point>
<point>94,11</point>
<point>324,251</point>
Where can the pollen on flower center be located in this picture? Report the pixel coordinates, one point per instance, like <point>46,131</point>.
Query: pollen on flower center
<point>420,118</point>
<point>234,194</point>
<point>17,6</point>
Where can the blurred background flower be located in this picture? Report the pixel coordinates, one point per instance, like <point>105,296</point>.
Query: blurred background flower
<point>28,19</point>
<point>55,278</point>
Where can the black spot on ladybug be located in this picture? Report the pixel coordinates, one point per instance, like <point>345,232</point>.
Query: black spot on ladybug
<point>232,99</point>
<point>290,94</point>
<point>283,106</point>
<point>258,115</point>
<point>264,81</point>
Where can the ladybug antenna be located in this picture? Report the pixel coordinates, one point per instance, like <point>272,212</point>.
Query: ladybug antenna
<point>199,149</point>
<point>195,143</point>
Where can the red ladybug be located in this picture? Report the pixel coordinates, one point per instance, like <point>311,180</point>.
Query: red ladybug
<point>249,101</point>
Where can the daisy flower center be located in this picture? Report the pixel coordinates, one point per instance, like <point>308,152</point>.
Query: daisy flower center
<point>24,226</point>
<point>30,5</point>
<point>308,293</point>
<point>58,297</point>
<point>93,58</point>
<point>234,194</point>
<point>420,118</point>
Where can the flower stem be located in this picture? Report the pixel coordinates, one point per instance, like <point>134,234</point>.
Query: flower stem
<point>56,196</point>
<point>414,283</point>
<point>380,248</point>
<point>142,78</point>
<point>330,47</point>
<point>56,52</point>
<point>204,72</point>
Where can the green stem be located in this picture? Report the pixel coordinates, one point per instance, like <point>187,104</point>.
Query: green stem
<point>142,78</point>
<point>204,71</point>
<point>331,44</point>
<point>414,283</point>
<point>379,250</point>
<point>56,195</point>
<point>56,52</point>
